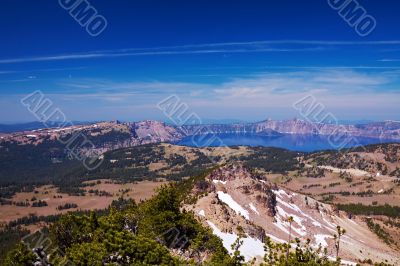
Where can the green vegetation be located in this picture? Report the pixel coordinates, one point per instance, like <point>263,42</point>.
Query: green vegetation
<point>137,234</point>
<point>274,160</point>
<point>277,255</point>
<point>20,255</point>
<point>67,206</point>
<point>34,219</point>
<point>9,237</point>
<point>123,165</point>
<point>350,158</point>
<point>155,232</point>
<point>379,231</point>
<point>359,209</point>
<point>40,203</point>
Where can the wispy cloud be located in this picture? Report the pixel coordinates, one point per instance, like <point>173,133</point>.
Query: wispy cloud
<point>151,53</point>
<point>262,85</point>
<point>269,46</point>
<point>389,60</point>
<point>7,72</point>
<point>347,93</point>
<point>103,89</point>
<point>49,58</point>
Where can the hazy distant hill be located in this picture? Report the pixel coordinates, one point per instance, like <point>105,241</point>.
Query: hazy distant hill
<point>9,128</point>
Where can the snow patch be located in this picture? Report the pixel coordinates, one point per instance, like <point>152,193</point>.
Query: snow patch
<point>253,208</point>
<point>343,262</point>
<point>321,239</point>
<point>281,224</point>
<point>219,181</point>
<point>251,247</point>
<point>202,213</point>
<point>227,199</point>
<point>329,223</point>
<point>351,221</point>
<point>289,205</point>
<point>302,230</point>
<point>317,224</point>
<point>276,239</point>
<point>280,192</point>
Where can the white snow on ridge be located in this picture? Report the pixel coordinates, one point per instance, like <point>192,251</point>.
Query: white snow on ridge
<point>321,239</point>
<point>351,221</point>
<point>302,230</point>
<point>251,247</point>
<point>202,213</point>
<point>289,205</point>
<point>317,223</point>
<point>253,208</point>
<point>343,262</point>
<point>281,224</point>
<point>276,239</point>
<point>329,223</point>
<point>295,208</point>
<point>227,199</point>
<point>280,192</point>
<point>219,181</point>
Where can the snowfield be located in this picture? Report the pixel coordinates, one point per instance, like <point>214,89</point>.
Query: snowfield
<point>202,213</point>
<point>321,239</point>
<point>227,199</point>
<point>219,181</point>
<point>253,208</point>
<point>312,220</point>
<point>251,247</point>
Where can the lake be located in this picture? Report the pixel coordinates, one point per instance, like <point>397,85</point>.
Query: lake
<point>294,142</point>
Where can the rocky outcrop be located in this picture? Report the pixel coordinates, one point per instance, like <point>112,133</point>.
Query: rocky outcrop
<point>241,203</point>
<point>105,136</point>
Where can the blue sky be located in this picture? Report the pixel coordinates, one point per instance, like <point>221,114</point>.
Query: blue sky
<point>245,60</point>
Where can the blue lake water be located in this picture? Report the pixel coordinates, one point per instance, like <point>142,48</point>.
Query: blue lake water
<point>294,142</point>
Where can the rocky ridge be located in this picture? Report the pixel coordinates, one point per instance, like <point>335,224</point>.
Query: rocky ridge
<point>234,199</point>
<point>105,136</point>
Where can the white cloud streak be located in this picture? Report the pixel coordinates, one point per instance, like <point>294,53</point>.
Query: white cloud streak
<point>269,46</point>
<point>347,94</point>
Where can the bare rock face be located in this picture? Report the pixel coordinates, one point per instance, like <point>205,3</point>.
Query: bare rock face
<point>240,202</point>
<point>203,186</point>
<point>271,203</point>
<point>100,137</point>
<point>154,131</point>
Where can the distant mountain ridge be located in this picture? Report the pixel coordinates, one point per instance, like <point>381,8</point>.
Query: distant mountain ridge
<point>17,127</point>
<point>115,134</point>
<point>384,130</point>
